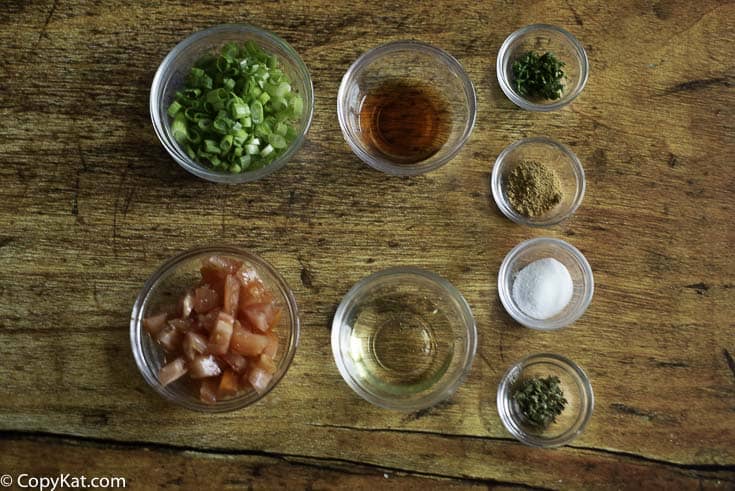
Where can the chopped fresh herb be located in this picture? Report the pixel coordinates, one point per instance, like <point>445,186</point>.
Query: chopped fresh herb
<point>238,111</point>
<point>539,77</point>
<point>540,400</point>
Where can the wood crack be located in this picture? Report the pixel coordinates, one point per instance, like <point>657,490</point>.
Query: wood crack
<point>292,459</point>
<point>632,456</point>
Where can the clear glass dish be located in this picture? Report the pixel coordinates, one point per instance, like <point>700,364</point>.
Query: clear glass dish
<point>544,247</point>
<point>542,38</point>
<point>175,68</point>
<point>409,63</point>
<point>558,158</point>
<point>577,391</point>
<point>166,286</point>
<point>404,338</point>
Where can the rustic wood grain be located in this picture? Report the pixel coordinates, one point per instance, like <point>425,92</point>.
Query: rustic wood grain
<point>90,205</point>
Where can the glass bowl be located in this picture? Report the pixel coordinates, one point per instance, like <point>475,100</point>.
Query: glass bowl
<point>404,338</point>
<point>175,68</point>
<point>435,124</point>
<point>555,156</point>
<point>544,247</point>
<point>573,381</point>
<point>167,285</point>
<point>541,38</point>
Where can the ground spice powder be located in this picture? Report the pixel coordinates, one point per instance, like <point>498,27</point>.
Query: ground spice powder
<point>532,188</point>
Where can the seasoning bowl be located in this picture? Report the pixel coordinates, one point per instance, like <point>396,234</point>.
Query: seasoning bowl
<point>556,157</point>
<point>166,286</point>
<point>523,254</point>
<point>577,390</point>
<point>176,66</point>
<point>404,338</point>
<point>411,65</point>
<point>541,38</point>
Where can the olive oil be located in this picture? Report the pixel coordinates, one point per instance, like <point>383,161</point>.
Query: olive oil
<point>405,122</point>
<point>402,344</point>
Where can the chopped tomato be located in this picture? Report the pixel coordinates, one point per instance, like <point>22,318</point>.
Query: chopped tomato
<point>271,348</point>
<point>219,339</point>
<point>194,344</point>
<point>205,299</point>
<point>247,343</point>
<point>172,371</point>
<point>235,361</point>
<point>254,292</point>
<point>221,333</point>
<point>181,325</point>
<point>170,338</point>
<point>204,366</point>
<point>187,304</point>
<point>266,363</point>
<point>232,294</point>
<point>155,323</point>
<point>227,384</point>
<point>208,390</point>
<point>207,321</point>
<point>262,316</point>
<point>246,274</point>
<point>259,379</point>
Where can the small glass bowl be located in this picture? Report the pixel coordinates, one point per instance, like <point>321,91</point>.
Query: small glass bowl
<point>558,158</point>
<point>175,68</point>
<point>407,62</point>
<point>542,38</point>
<point>404,338</point>
<point>165,287</point>
<point>577,391</point>
<point>575,262</point>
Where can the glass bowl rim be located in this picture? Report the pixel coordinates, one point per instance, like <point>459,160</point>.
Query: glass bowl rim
<point>369,56</point>
<point>504,80</point>
<point>496,185</point>
<point>544,324</point>
<point>437,393</point>
<point>137,332</point>
<point>503,394</point>
<point>173,148</point>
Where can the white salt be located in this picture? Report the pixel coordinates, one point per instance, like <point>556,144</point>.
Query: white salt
<point>543,288</point>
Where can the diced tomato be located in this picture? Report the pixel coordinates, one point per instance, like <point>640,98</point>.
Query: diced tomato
<point>266,363</point>
<point>207,321</point>
<point>204,366</point>
<point>154,323</point>
<point>219,339</point>
<point>170,338</point>
<point>246,274</point>
<point>259,379</point>
<point>227,384</point>
<point>235,361</point>
<point>221,332</point>
<point>262,316</point>
<point>172,371</point>
<point>181,325</point>
<point>271,348</point>
<point>194,344</point>
<point>208,390</point>
<point>247,343</point>
<point>187,304</point>
<point>232,294</point>
<point>254,292</point>
<point>205,299</point>
<point>219,266</point>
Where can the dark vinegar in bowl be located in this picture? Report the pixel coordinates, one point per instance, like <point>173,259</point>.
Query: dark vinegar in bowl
<point>405,123</point>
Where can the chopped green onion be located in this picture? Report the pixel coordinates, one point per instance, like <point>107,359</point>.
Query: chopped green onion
<point>238,110</point>
<point>174,108</point>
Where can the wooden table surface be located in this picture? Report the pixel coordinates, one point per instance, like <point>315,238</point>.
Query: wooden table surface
<point>91,204</point>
